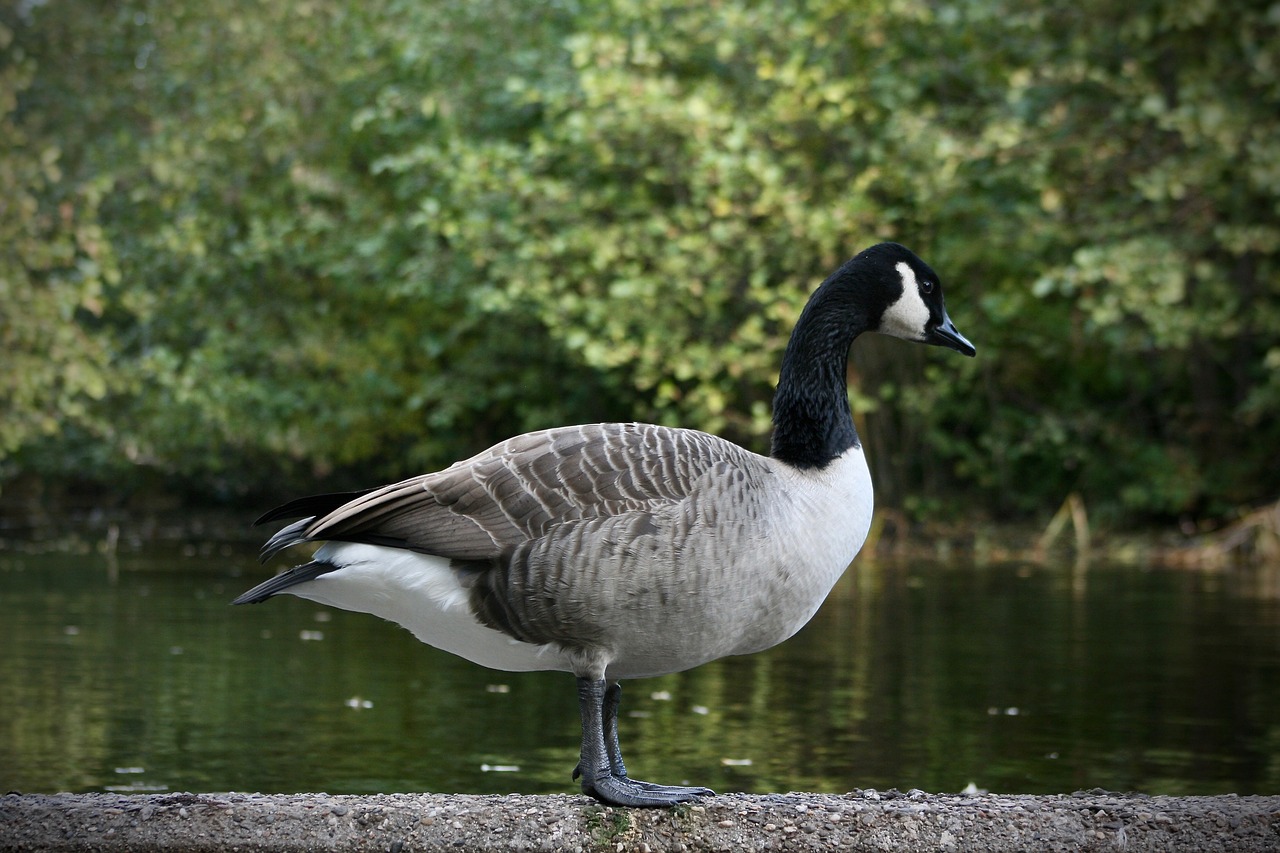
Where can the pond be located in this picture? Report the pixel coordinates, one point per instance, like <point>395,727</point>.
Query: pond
<point>134,674</point>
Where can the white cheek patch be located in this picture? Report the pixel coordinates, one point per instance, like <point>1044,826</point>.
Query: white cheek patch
<point>908,316</point>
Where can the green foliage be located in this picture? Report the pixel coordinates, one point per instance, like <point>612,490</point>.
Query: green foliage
<point>256,244</point>
<point>1150,137</point>
<point>54,264</point>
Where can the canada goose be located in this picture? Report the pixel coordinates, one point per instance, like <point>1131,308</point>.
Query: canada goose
<point>618,551</point>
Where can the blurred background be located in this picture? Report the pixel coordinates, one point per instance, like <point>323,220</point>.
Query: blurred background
<point>252,250</point>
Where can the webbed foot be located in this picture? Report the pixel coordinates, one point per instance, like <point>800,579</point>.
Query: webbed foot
<point>603,774</point>
<point>624,791</point>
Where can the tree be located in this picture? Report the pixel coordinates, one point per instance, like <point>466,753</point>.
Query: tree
<point>1145,342</point>
<point>54,264</point>
<point>353,241</point>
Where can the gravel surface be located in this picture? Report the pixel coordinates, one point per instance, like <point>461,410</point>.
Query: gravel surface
<point>860,820</point>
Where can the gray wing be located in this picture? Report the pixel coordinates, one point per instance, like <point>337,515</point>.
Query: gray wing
<point>517,491</point>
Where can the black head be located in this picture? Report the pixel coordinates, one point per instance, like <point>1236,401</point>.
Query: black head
<point>883,289</point>
<point>909,296</point>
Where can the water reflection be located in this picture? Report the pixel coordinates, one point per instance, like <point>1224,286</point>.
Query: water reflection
<point>1010,677</point>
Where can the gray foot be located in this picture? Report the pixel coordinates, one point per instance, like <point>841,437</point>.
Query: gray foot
<point>622,791</point>
<point>603,774</point>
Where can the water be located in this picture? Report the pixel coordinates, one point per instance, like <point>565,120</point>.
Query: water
<point>138,676</point>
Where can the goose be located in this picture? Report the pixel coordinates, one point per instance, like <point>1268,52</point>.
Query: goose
<point>624,550</point>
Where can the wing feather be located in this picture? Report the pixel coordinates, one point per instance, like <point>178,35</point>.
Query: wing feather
<point>518,490</point>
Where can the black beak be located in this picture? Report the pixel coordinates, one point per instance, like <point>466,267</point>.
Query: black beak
<point>945,334</point>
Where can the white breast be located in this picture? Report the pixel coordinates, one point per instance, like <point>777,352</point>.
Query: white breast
<point>822,520</point>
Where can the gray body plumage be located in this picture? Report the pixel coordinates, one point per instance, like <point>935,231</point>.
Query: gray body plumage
<point>621,549</point>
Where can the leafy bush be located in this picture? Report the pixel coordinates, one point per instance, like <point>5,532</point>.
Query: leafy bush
<point>260,246</point>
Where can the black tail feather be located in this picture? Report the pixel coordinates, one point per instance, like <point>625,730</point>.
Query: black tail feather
<point>312,505</point>
<point>284,537</point>
<point>284,580</point>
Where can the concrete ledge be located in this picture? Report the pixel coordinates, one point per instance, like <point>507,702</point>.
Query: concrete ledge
<point>861,820</point>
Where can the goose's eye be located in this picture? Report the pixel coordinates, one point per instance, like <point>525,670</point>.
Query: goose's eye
<point>926,286</point>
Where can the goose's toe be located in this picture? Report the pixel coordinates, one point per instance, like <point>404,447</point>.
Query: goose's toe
<point>624,791</point>
<point>677,790</point>
<point>695,790</point>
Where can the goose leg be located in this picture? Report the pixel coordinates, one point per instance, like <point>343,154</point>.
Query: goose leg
<point>603,774</point>
<point>612,699</point>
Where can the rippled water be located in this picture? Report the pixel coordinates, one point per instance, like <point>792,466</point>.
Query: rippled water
<point>138,676</point>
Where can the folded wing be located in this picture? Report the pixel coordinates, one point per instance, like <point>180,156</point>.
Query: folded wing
<point>516,491</point>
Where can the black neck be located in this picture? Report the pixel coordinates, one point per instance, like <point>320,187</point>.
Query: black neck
<point>812,423</point>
